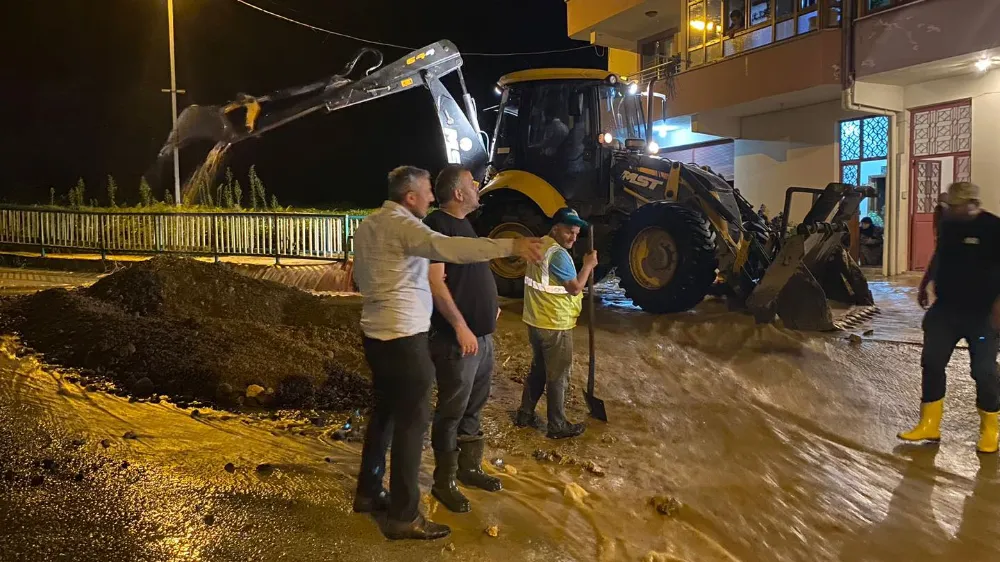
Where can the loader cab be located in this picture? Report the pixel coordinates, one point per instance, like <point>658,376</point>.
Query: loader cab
<point>563,126</point>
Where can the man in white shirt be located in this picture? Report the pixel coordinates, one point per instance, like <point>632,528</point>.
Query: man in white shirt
<point>392,249</point>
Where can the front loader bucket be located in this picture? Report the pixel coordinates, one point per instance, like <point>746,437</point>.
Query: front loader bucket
<point>813,267</point>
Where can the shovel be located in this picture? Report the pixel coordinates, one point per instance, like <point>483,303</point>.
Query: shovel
<point>595,404</point>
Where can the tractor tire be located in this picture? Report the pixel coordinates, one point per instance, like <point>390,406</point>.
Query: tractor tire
<point>681,269</point>
<point>503,218</point>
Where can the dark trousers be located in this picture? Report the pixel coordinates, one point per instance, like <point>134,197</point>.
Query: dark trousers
<point>402,377</point>
<point>551,363</point>
<point>463,388</point>
<point>944,327</point>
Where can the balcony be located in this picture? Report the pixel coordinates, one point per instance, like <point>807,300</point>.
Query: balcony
<point>620,24</point>
<point>930,37</point>
<point>792,73</point>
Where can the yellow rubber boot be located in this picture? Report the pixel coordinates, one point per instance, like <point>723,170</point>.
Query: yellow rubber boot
<point>929,426</point>
<point>989,432</point>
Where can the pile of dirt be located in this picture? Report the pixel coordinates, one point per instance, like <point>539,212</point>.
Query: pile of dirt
<point>201,330</point>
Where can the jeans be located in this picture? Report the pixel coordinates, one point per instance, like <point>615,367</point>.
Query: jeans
<point>463,388</point>
<point>944,327</point>
<point>551,364</point>
<point>402,377</point>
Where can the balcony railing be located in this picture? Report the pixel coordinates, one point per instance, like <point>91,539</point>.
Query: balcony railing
<point>274,235</point>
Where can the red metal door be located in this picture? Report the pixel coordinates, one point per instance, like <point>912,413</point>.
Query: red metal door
<point>926,182</point>
<point>941,153</point>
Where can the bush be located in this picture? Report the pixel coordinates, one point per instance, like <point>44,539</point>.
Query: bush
<point>112,191</point>
<point>145,193</point>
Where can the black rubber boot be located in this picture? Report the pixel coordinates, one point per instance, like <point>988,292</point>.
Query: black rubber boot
<point>418,529</point>
<point>470,466</point>
<point>444,488</point>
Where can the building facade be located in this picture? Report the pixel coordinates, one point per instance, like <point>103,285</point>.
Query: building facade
<point>897,94</point>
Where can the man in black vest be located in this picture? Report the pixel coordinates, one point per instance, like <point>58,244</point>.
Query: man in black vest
<point>965,271</point>
<point>462,326</point>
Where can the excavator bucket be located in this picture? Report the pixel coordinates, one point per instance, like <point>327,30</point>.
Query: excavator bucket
<point>813,268</point>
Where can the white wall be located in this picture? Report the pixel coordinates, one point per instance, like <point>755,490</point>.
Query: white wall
<point>796,147</point>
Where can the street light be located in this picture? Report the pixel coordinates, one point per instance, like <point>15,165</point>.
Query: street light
<point>173,91</point>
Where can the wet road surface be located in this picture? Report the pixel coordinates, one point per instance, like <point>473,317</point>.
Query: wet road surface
<point>760,444</point>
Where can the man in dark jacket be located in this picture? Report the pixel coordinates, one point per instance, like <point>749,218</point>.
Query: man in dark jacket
<point>965,271</point>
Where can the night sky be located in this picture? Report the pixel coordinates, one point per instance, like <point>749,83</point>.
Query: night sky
<point>82,78</point>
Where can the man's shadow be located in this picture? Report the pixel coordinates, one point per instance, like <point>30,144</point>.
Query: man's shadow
<point>978,536</point>
<point>909,530</point>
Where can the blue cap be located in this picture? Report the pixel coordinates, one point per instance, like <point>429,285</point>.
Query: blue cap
<point>570,217</point>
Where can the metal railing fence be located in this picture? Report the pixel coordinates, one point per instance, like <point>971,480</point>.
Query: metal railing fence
<point>277,235</point>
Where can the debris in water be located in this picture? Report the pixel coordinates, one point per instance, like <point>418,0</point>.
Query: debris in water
<point>265,468</point>
<point>79,476</point>
<point>328,459</point>
<point>230,467</point>
<point>209,519</point>
<point>450,547</point>
<point>124,465</point>
<point>49,464</point>
<point>105,443</point>
<point>195,413</point>
<point>498,462</point>
<point>493,531</point>
<point>869,333</point>
<point>37,480</point>
<point>609,439</point>
<point>254,390</point>
<point>665,505</point>
<point>8,476</point>
<point>592,468</point>
<point>130,435</point>
<point>509,469</point>
<point>340,435</point>
<point>575,492</point>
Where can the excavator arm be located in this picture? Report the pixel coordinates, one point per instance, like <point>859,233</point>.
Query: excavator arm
<point>251,116</point>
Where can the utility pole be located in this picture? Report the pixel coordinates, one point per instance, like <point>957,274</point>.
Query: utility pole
<point>173,91</point>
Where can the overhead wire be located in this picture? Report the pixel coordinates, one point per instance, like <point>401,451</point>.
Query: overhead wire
<point>404,47</point>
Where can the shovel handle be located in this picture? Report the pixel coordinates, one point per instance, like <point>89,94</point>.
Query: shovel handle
<point>590,320</point>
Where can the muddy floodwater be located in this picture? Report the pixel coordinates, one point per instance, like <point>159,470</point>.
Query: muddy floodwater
<point>726,441</point>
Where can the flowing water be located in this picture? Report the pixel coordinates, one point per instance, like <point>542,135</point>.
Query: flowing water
<point>760,444</point>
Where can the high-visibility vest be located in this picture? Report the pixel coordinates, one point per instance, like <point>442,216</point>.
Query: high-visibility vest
<point>547,304</point>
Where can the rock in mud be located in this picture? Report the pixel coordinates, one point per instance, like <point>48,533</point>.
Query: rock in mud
<point>195,413</point>
<point>143,387</point>
<point>105,443</point>
<point>609,439</point>
<point>209,519</point>
<point>450,547</point>
<point>265,468</point>
<point>493,531</point>
<point>665,505</point>
<point>340,435</point>
<point>130,435</point>
<point>869,333</point>
<point>591,467</point>
<point>854,339</point>
<point>230,467</point>
<point>254,391</point>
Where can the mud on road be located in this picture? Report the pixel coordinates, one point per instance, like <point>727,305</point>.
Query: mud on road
<point>727,441</point>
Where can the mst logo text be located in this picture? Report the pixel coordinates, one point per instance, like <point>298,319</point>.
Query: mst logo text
<point>641,180</point>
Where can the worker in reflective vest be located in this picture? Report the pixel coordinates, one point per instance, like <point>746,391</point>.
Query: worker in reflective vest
<point>553,296</point>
